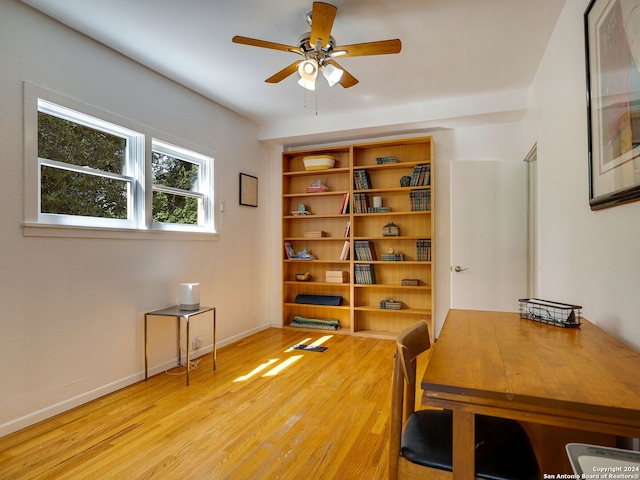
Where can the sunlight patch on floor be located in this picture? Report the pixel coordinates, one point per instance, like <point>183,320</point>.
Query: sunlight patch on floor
<point>256,370</point>
<point>276,370</point>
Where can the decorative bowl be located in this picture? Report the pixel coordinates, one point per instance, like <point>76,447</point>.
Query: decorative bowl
<point>318,162</point>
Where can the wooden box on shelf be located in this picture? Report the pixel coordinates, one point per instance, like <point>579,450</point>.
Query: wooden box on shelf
<point>336,276</point>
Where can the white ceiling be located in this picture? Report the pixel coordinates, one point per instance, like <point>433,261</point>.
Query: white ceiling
<point>451,49</point>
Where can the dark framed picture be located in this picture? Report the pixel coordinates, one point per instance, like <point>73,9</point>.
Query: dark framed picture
<point>248,190</point>
<point>612,41</point>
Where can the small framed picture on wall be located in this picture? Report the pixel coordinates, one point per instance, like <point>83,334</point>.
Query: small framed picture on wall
<point>248,190</point>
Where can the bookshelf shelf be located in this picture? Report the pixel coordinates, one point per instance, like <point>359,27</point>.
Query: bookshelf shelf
<point>316,194</point>
<point>303,173</point>
<point>312,216</point>
<point>330,232</point>
<point>406,311</point>
<point>394,287</point>
<point>399,190</point>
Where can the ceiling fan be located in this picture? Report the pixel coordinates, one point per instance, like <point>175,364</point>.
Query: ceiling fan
<point>318,49</point>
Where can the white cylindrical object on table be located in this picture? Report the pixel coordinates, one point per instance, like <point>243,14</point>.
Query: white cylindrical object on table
<point>189,296</point>
<point>377,202</point>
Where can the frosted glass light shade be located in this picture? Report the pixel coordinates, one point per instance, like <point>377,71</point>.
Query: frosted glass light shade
<point>332,74</point>
<point>308,84</point>
<point>308,71</point>
<point>189,296</point>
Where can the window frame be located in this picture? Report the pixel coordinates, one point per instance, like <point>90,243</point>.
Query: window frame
<point>204,188</point>
<point>137,172</point>
<point>134,155</point>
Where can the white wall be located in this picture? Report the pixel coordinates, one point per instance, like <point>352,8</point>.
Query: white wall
<point>72,309</point>
<point>588,258</point>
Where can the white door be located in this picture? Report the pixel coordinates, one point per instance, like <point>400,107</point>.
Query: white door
<point>488,235</point>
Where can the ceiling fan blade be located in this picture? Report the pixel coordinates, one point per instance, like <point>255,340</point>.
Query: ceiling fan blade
<point>322,17</point>
<point>284,73</point>
<point>382,47</point>
<point>347,80</point>
<point>264,44</point>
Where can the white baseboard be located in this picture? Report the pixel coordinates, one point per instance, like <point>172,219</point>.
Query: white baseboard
<point>60,407</point>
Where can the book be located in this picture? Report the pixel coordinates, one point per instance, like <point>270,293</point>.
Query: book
<point>421,175</point>
<point>288,250</point>
<point>364,250</point>
<point>345,204</point>
<point>362,180</point>
<point>360,203</point>
<point>347,229</point>
<point>420,200</point>
<point>423,247</point>
<point>344,255</point>
<point>344,199</point>
<point>365,274</point>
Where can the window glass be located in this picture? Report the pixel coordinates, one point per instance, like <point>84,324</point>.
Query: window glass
<point>181,192</point>
<point>170,208</point>
<point>69,142</point>
<point>66,192</point>
<point>173,172</point>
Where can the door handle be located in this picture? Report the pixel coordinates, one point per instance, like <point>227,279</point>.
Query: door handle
<point>458,269</point>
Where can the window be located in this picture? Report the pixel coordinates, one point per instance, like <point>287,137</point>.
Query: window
<point>84,171</point>
<point>181,187</point>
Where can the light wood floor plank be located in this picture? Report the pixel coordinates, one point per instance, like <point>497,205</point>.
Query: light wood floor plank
<point>324,416</point>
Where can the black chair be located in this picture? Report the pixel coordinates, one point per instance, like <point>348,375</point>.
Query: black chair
<point>421,441</point>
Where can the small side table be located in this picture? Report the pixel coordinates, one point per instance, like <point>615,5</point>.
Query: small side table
<point>178,314</point>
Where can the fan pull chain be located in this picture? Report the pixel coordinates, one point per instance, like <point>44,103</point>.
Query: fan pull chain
<point>305,100</point>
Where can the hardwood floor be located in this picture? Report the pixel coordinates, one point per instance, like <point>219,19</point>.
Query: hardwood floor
<point>323,416</point>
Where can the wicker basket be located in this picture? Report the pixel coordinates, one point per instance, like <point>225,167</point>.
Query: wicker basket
<point>553,313</point>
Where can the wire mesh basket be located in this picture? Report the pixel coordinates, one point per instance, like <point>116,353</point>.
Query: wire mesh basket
<point>553,313</point>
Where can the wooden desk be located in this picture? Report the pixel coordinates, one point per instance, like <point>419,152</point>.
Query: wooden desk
<point>178,314</point>
<point>496,363</point>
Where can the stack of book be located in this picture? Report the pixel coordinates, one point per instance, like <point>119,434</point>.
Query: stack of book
<point>390,304</point>
<point>393,257</point>
<point>365,274</point>
<point>420,200</point>
<point>365,250</point>
<point>424,249</point>
<point>362,180</point>
<point>378,209</point>
<point>386,160</point>
<point>360,203</point>
<point>421,175</point>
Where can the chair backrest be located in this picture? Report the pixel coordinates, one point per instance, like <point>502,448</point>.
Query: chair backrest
<point>410,343</point>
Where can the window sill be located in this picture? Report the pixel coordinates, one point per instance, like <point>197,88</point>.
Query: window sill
<point>63,231</point>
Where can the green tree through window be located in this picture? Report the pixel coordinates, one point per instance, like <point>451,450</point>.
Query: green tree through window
<point>69,192</point>
<point>178,174</point>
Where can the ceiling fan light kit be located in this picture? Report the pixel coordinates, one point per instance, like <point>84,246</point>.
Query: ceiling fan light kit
<point>319,49</point>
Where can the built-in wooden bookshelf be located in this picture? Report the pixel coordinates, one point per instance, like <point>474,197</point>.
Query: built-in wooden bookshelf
<point>407,210</point>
